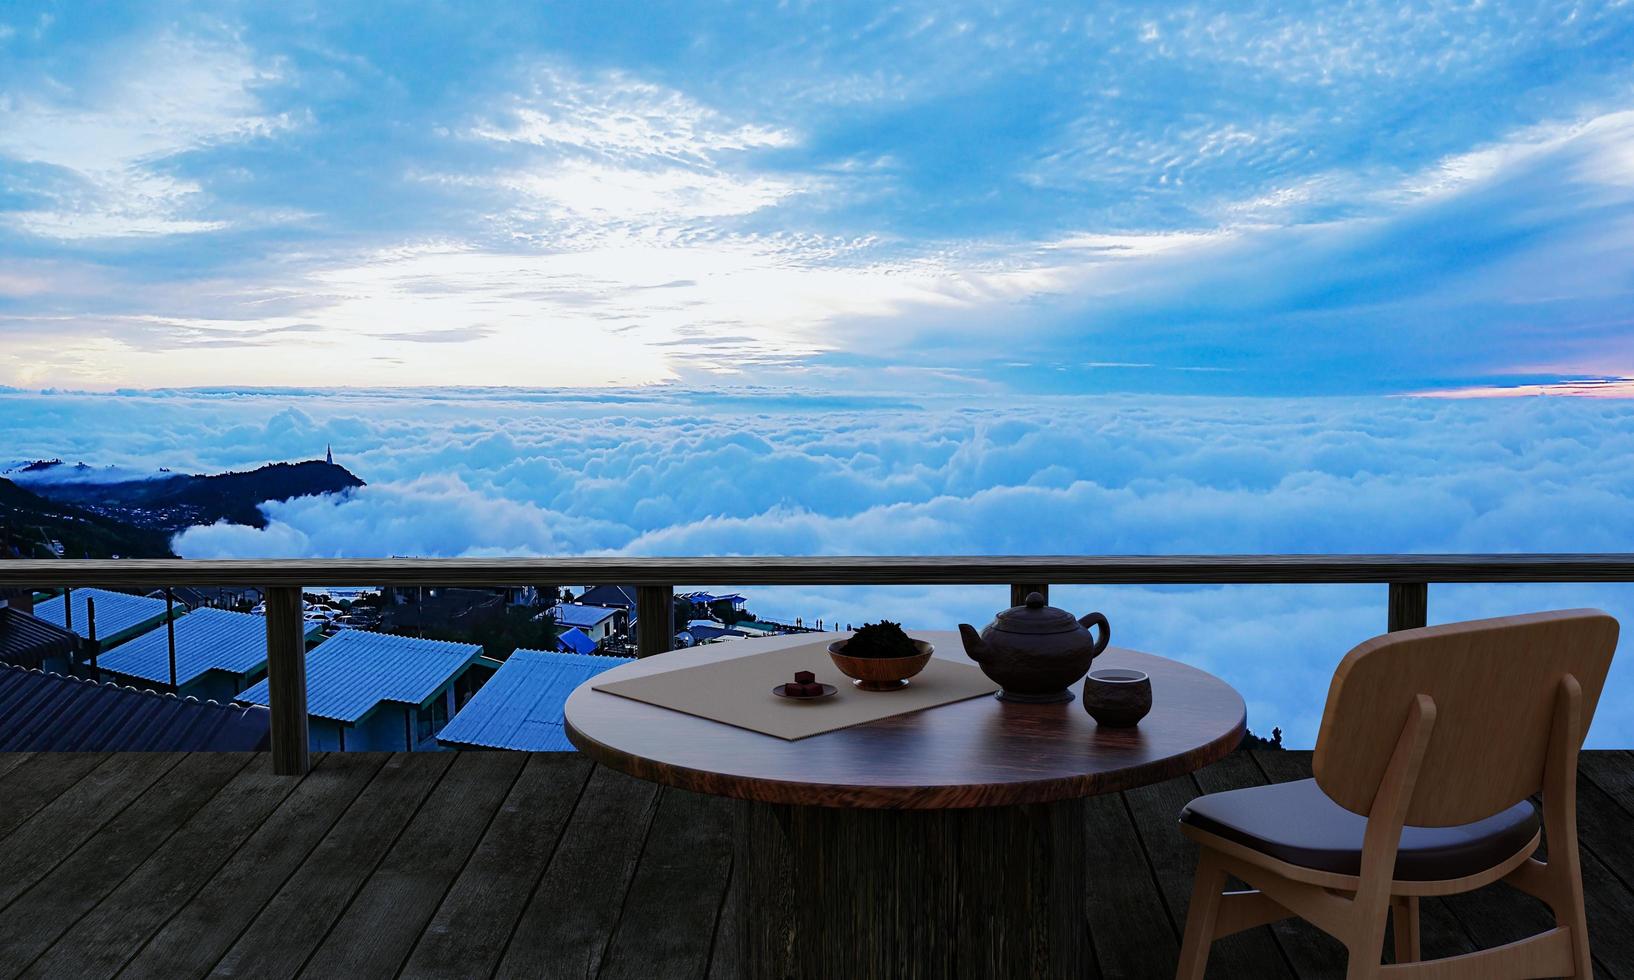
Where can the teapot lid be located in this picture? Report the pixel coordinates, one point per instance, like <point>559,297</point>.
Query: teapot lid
<point>1037,617</point>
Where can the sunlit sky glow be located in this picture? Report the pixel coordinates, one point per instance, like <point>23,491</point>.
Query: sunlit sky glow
<point>1013,197</point>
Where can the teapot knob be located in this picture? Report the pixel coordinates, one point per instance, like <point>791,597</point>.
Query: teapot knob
<point>1035,600</point>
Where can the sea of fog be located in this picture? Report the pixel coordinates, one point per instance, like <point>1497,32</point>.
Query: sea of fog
<point>667,471</point>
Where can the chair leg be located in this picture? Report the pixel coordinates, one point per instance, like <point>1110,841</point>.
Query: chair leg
<point>1206,892</point>
<point>1570,914</point>
<point>1365,948</point>
<point>1404,923</point>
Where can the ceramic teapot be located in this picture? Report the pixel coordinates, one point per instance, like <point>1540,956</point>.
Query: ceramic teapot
<point>1036,651</point>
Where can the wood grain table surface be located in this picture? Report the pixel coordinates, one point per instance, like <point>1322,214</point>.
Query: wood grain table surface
<point>976,753</point>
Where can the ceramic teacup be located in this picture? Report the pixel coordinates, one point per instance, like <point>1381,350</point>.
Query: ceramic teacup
<point>1117,697</point>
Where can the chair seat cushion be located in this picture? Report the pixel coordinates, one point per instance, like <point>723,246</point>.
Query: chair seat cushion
<point>1297,823</point>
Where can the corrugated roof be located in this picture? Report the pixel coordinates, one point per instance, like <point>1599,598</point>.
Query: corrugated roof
<point>521,705</point>
<point>116,612</point>
<point>25,641</point>
<point>573,614</point>
<point>41,712</point>
<point>610,595</point>
<point>577,641</point>
<point>354,670</point>
<point>206,639</point>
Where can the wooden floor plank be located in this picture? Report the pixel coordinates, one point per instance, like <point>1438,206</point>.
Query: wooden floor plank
<point>467,935</point>
<point>295,920</point>
<point>57,829</point>
<point>1605,836</point>
<point>565,930</point>
<point>191,942</point>
<point>384,921</point>
<point>39,779</point>
<point>1128,922</point>
<point>1612,772</point>
<point>10,761</point>
<point>53,904</point>
<point>669,917</point>
<point>726,958</point>
<point>367,859</point>
<point>105,936</point>
<point>1156,808</point>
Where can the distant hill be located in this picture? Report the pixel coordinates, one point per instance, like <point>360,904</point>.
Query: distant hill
<point>30,522</point>
<point>173,502</point>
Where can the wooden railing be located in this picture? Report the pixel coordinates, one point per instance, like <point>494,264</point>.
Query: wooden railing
<point>1408,576</point>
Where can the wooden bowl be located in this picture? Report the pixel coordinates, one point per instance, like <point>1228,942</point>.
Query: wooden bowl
<point>880,673</point>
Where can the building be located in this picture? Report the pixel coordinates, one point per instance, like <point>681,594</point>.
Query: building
<point>378,692</point>
<point>30,642</point>
<point>119,616</point>
<point>47,712</point>
<point>613,596</point>
<point>217,597</point>
<point>442,608</point>
<point>218,654</point>
<point>703,631</point>
<point>521,705</point>
<point>600,623</point>
<point>574,640</point>
<point>708,600</point>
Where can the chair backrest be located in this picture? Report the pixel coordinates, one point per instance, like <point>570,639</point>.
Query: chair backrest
<point>1494,683</point>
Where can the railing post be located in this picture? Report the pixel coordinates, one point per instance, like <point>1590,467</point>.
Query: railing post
<point>286,681</point>
<point>1020,592</point>
<point>1409,605</point>
<point>655,619</point>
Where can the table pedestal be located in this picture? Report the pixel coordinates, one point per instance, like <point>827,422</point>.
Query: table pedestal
<point>835,892</point>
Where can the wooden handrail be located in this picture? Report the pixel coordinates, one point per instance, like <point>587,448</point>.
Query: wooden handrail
<point>1408,576</point>
<point>827,570</point>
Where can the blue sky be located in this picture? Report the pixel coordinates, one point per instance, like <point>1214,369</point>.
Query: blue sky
<point>1007,199</point>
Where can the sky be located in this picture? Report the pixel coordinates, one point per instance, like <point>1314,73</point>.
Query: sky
<point>998,199</point>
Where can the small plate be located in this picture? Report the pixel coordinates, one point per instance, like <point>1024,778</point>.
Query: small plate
<point>829,690</point>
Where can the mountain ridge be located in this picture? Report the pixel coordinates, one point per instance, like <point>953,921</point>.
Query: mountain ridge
<point>172,502</point>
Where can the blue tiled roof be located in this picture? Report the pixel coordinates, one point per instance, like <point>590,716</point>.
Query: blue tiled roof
<point>577,641</point>
<point>116,612</point>
<point>353,671</point>
<point>521,705</point>
<point>572,614</point>
<point>206,639</point>
<point>42,712</point>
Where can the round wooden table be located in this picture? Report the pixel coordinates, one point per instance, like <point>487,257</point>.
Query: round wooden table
<point>944,842</point>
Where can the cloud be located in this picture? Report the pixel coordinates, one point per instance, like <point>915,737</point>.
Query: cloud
<point>99,151</point>
<point>666,470</point>
<point>617,115</point>
<point>1253,201</point>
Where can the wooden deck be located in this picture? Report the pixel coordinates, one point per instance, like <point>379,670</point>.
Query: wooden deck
<point>510,865</point>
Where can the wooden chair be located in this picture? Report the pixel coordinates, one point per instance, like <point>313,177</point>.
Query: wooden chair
<point>1430,746</point>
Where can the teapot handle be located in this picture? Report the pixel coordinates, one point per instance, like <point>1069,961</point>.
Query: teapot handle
<point>1096,619</point>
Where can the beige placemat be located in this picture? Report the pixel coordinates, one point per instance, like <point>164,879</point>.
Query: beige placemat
<point>739,692</point>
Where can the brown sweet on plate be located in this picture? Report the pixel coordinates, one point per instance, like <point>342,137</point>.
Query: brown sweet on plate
<point>804,677</point>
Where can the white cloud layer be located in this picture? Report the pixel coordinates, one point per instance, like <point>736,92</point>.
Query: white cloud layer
<point>665,471</point>
<point>106,138</point>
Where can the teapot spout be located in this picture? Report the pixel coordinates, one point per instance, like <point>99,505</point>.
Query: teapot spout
<point>975,646</point>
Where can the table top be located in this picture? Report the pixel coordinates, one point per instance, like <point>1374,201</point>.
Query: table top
<point>979,752</point>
